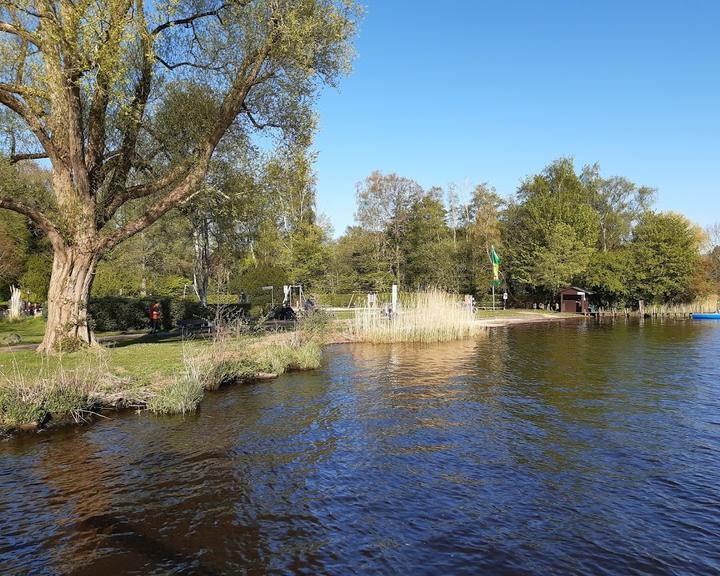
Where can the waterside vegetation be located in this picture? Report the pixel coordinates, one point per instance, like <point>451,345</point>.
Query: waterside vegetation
<point>429,316</point>
<point>164,377</point>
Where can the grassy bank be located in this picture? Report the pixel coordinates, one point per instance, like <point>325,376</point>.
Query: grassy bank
<point>167,375</point>
<point>162,377</point>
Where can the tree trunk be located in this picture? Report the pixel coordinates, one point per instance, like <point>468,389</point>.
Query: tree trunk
<point>201,243</point>
<point>67,319</point>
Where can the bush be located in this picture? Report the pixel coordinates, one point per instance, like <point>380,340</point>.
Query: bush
<point>114,313</point>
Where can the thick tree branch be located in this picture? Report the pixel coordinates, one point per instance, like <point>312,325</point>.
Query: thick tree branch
<point>137,111</point>
<point>15,158</point>
<point>36,216</point>
<point>20,33</point>
<point>232,106</point>
<point>182,192</point>
<point>143,191</point>
<point>33,123</point>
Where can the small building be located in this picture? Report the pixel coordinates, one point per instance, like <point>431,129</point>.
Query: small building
<point>576,300</point>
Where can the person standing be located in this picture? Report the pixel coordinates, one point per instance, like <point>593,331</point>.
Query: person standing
<point>155,317</point>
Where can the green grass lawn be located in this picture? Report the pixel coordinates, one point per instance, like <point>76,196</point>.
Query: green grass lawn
<point>140,362</point>
<point>29,329</point>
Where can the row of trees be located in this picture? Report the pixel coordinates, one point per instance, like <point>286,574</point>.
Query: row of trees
<point>562,227</point>
<point>240,233</point>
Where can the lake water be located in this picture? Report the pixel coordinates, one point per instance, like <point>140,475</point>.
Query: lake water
<point>563,448</point>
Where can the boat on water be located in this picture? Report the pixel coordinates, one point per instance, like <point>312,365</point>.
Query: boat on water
<point>713,316</point>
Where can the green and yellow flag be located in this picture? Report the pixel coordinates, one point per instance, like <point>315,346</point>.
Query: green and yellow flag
<point>495,259</point>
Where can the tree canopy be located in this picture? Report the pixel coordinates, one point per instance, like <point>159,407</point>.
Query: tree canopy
<point>129,101</point>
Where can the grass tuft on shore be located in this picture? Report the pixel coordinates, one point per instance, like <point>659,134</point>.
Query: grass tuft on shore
<point>181,396</point>
<point>429,316</point>
<point>54,390</point>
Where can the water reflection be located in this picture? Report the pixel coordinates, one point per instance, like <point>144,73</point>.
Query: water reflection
<point>578,447</point>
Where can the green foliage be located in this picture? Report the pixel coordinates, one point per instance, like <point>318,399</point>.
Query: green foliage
<point>562,258</point>
<point>427,244</point>
<point>310,256</point>
<point>256,275</point>
<point>551,233</point>
<point>607,275</point>
<point>14,247</point>
<point>664,254</point>
<point>358,263</point>
<point>35,281</point>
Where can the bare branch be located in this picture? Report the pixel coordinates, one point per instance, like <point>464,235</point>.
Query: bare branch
<point>24,9</point>
<point>259,125</point>
<point>189,64</point>
<point>188,20</point>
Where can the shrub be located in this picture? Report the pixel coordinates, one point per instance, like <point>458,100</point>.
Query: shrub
<point>115,313</point>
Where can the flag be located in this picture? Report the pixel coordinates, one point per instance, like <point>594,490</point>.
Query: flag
<point>495,259</point>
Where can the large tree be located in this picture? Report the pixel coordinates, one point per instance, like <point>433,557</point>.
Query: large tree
<point>383,205</point>
<point>550,231</point>
<point>87,78</point>
<point>665,258</point>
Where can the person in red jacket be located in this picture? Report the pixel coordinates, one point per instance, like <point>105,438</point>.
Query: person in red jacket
<point>155,317</point>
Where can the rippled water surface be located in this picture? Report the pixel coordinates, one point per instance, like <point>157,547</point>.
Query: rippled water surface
<point>568,448</point>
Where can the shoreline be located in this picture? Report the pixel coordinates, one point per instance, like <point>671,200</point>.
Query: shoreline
<point>139,397</point>
<point>525,318</point>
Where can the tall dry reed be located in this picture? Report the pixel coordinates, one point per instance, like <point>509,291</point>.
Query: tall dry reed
<point>429,316</point>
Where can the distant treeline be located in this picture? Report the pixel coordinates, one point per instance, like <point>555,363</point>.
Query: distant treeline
<point>562,227</point>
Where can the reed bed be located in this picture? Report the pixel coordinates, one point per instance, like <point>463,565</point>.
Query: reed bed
<point>428,316</point>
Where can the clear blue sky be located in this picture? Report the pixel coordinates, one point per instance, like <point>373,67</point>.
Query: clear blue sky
<point>493,90</point>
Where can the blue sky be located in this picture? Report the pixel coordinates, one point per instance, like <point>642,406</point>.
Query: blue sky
<point>494,90</point>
